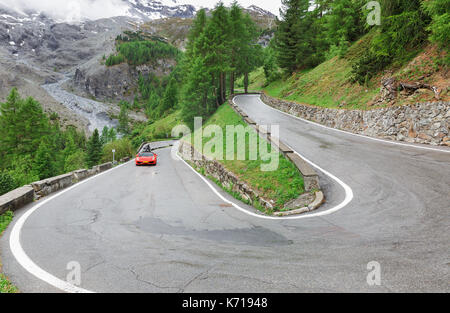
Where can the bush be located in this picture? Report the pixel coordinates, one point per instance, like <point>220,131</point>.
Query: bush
<point>123,149</point>
<point>439,10</point>
<point>7,183</point>
<point>367,67</point>
<point>22,171</point>
<point>75,161</point>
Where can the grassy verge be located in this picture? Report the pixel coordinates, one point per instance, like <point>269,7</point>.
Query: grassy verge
<point>5,285</point>
<point>281,185</point>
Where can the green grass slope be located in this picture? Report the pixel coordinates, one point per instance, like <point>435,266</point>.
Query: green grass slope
<point>330,84</point>
<point>281,185</point>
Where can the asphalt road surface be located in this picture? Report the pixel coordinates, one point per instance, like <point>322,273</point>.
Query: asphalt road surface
<point>162,229</point>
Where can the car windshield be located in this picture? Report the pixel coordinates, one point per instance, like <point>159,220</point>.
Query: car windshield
<point>148,154</point>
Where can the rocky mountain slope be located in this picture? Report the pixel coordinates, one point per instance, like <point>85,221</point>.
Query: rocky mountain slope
<point>37,50</point>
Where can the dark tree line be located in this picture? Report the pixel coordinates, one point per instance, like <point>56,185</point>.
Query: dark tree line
<point>33,146</point>
<point>309,33</point>
<point>141,52</point>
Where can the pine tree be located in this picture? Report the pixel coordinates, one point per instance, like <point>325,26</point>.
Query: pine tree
<point>94,150</point>
<point>44,164</point>
<point>197,29</point>
<point>288,34</point>
<point>237,41</point>
<point>198,97</point>
<point>112,136</point>
<point>217,57</point>
<point>33,125</point>
<point>23,124</point>
<point>9,124</point>
<point>439,27</point>
<point>343,24</point>
<point>251,54</point>
<point>197,91</point>
<point>299,39</point>
<point>124,121</point>
<point>170,98</point>
<point>104,139</point>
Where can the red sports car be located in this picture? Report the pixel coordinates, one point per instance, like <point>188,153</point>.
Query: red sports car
<point>146,158</point>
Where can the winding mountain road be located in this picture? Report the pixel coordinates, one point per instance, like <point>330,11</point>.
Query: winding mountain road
<point>163,229</point>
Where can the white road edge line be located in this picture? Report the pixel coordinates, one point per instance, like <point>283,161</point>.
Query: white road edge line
<point>347,200</point>
<point>26,262</point>
<point>347,132</point>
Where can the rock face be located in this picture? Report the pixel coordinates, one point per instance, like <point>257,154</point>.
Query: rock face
<point>425,123</point>
<point>106,83</point>
<point>117,82</point>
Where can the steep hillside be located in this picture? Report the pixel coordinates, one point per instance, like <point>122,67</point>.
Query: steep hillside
<point>330,84</point>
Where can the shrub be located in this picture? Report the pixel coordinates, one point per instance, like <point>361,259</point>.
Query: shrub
<point>7,183</point>
<point>75,161</point>
<point>21,170</point>
<point>367,67</point>
<point>123,149</point>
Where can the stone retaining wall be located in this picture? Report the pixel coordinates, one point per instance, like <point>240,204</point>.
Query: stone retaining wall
<point>425,123</point>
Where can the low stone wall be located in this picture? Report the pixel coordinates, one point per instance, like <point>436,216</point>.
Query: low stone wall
<point>47,186</point>
<point>425,123</point>
<point>50,185</point>
<point>16,199</point>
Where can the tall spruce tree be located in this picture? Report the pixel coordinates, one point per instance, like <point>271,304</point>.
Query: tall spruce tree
<point>43,164</point>
<point>104,138</point>
<point>23,124</point>
<point>10,125</point>
<point>344,23</point>
<point>217,57</point>
<point>288,35</point>
<point>251,54</point>
<point>112,136</point>
<point>124,120</point>
<point>94,150</point>
<point>237,41</point>
<point>170,98</point>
